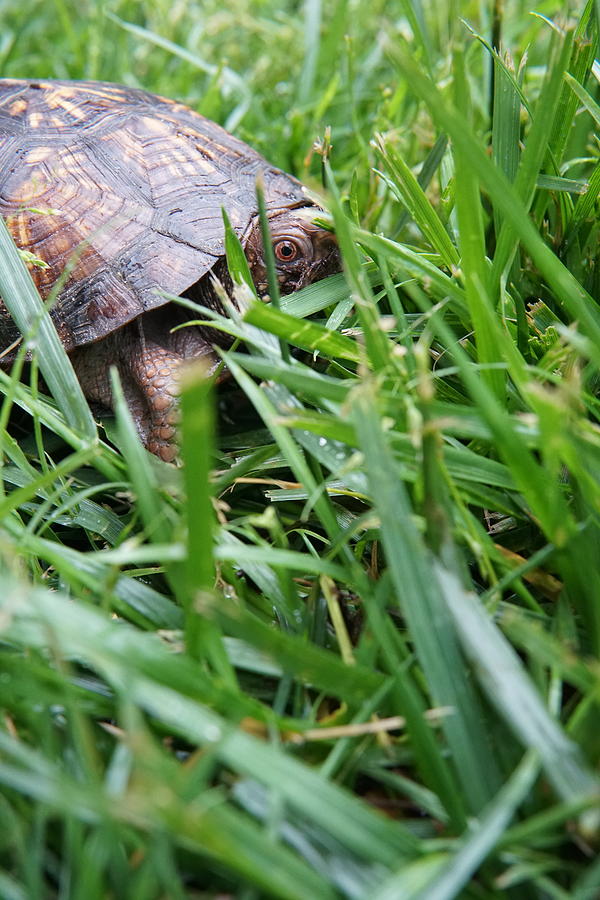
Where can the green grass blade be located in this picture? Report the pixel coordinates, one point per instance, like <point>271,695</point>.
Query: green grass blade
<point>237,262</point>
<point>312,42</point>
<point>316,297</point>
<point>286,559</point>
<point>308,335</point>
<point>295,376</point>
<point>203,640</point>
<point>218,832</point>
<point>584,97</point>
<point>451,876</point>
<point>412,195</point>
<point>376,345</point>
<point>300,658</point>
<point>288,447</point>
<point>270,256</point>
<point>536,149</point>
<point>421,603</point>
<point>23,302</point>
<point>514,694</point>
<point>505,123</point>
<point>583,50</point>
<point>584,208</point>
<point>416,265</point>
<point>472,248</point>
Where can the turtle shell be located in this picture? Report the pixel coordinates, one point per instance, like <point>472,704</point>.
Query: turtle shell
<point>120,193</point>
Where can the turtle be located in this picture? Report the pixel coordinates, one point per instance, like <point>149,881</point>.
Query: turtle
<point>120,192</point>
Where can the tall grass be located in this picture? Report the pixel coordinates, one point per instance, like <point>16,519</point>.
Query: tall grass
<point>361,659</point>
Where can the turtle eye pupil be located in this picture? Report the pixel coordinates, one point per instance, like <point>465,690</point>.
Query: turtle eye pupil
<point>285,251</point>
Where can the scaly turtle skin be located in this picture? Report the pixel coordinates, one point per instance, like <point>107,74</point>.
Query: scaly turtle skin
<point>120,192</point>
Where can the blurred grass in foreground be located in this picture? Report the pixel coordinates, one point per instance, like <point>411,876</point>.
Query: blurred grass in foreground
<point>363,661</point>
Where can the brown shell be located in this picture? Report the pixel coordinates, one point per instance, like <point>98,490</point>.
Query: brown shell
<point>125,190</point>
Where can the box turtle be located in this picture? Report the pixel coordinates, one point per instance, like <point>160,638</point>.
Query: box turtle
<point>120,193</point>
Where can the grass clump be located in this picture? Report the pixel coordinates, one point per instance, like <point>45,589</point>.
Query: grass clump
<point>361,659</point>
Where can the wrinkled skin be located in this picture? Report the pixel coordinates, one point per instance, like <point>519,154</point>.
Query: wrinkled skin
<point>149,356</point>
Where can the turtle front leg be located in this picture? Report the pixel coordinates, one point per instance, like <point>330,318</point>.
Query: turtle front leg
<point>150,377</point>
<point>150,387</point>
<point>154,358</point>
<point>152,395</point>
<point>149,360</point>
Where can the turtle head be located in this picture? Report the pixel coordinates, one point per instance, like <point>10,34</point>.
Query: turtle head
<point>304,252</point>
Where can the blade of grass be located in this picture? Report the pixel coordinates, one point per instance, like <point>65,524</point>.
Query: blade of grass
<point>506,125</point>
<point>421,603</point>
<point>376,345</point>
<point>581,58</point>
<point>429,166</point>
<point>312,42</point>
<point>24,304</point>
<point>316,297</point>
<point>509,688</point>
<point>536,148</point>
<point>295,376</point>
<point>274,557</point>
<point>585,98</point>
<point>298,657</point>
<point>291,452</point>
<point>410,193</point>
<point>308,335</point>
<point>270,255</point>
<point>203,639</point>
<point>32,487</point>
<point>447,880</point>
<point>472,247</point>
<point>237,262</point>
<point>106,460</point>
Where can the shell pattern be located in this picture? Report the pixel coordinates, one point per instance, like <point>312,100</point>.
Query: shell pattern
<point>120,192</point>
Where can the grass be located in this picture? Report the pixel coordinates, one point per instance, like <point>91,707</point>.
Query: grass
<point>361,659</point>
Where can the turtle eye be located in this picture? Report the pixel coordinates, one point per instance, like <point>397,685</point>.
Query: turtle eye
<point>286,250</point>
